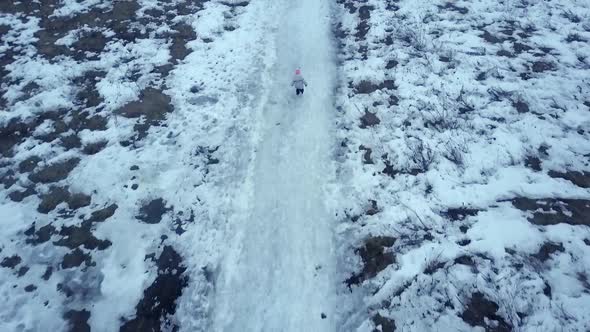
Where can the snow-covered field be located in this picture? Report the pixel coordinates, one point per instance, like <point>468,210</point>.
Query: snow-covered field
<point>464,139</point>
<point>158,175</point>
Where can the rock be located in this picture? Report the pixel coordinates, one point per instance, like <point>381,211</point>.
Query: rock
<point>151,213</point>
<point>457,214</point>
<point>55,172</point>
<point>134,168</point>
<point>541,66</point>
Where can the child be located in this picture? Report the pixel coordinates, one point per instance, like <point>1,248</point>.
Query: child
<point>298,82</point>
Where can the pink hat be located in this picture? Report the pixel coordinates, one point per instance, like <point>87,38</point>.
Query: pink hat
<point>297,71</point>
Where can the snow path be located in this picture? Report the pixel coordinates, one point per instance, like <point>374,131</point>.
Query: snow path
<point>279,273</point>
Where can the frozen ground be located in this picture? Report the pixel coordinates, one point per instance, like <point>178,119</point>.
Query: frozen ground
<point>158,175</point>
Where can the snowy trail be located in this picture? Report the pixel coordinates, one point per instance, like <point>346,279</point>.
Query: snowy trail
<point>278,275</point>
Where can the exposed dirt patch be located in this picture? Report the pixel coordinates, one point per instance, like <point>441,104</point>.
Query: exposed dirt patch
<point>78,320</point>
<point>19,195</point>
<point>152,107</point>
<point>28,164</point>
<point>385,324</point>
<point>554,211</point>
<point>580,179</point>
<point>54,197</point>
<point>73,237</point>
<point>542,66</point>
<point>548,249</point>
<point>55,172</point>
<point>369,120</point>
<point>75,258</point>
<point>11,262</point>
<point>366,87</point>
<point>41,235</point>
<point>367,155</point>
<point>374,257</point>
<point>480,311</point>
<point>102,214</point>
<point>159,299</point>
<point>152,212</point>
<point>94,148</point>
<point>184,34</point>
<point>461,213</point>
<point>533,163</point>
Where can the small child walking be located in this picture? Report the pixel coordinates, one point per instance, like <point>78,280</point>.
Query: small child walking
<point>299,82</point>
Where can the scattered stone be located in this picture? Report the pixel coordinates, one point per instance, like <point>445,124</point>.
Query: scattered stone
<point>480,311</point>
<point>151,213</point>
<point>323,315</point>
<point>134,186</point>
<point>134,168</point>
<point>55,172</point>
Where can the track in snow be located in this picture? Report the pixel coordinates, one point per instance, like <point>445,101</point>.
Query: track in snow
<point>279,275</point>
